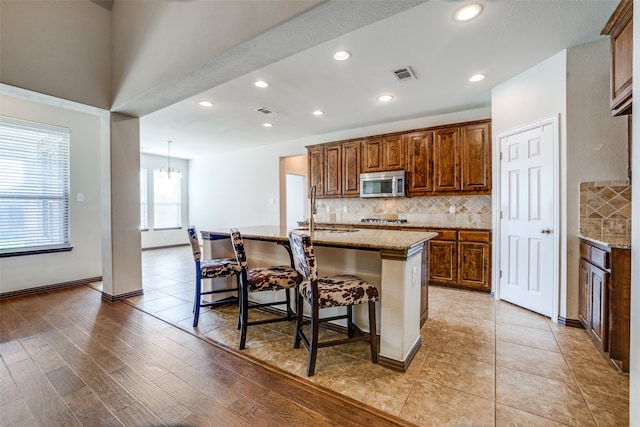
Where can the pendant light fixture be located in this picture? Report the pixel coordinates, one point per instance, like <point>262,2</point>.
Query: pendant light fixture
<point>169,172</point>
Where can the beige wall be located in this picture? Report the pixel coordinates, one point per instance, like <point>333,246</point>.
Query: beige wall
<point>60,48</point>
<point>592,145</point>
<point>84,261</point>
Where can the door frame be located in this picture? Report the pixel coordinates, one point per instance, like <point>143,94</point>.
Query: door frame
<point>497,250</point>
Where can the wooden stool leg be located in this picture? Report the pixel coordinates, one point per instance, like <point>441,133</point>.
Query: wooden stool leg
<point>373,333</point>
<point>299,319</point>
<point>313,340</point>
<point>244,302</point>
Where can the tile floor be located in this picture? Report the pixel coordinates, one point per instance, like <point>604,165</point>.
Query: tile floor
<point>482,362</point>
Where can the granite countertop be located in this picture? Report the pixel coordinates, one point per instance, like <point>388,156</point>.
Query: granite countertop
<point>398,225</point>
<point>384,240</point>
<point>620,242</point>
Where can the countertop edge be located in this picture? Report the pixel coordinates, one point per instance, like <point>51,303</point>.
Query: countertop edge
<point>609,244</point>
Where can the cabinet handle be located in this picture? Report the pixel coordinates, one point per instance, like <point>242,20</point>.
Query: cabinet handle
<point>546,231</point>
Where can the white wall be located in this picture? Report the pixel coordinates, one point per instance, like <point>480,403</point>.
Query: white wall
<point>84,261</point>
<point>234,189</point>
<point>573,84</point>
<point>157,238</point>
<point>60,48</point>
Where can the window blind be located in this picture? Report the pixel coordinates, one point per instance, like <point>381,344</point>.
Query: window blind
<point>34,186</point>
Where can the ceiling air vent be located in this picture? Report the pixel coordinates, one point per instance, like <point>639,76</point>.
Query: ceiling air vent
<point>266,111</point>
<point>404,74</point>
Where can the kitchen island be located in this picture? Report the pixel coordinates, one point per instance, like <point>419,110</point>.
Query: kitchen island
<point>389,259</point>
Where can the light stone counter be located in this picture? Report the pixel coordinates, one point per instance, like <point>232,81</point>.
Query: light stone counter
<point>391,260</point>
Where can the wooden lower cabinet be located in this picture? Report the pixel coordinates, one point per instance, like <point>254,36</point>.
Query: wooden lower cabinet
<point>604,299</point>
<point>461,258</point>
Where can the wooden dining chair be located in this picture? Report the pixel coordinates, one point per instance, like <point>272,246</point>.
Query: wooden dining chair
<point>210,269</point>
<point>325,292</point>
<point>261,279</point>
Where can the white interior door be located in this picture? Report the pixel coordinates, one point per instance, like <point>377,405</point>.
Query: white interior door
<point>528,194</point>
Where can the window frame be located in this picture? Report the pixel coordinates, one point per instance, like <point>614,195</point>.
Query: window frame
<point>17,142</point>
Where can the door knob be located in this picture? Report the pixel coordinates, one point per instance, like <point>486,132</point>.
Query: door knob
<point>546,231</point>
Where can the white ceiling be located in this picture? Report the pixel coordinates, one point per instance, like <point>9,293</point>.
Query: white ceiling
<point>507,38</point>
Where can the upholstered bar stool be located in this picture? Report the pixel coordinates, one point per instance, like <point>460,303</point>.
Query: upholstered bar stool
<point>324,292</point>
<point>210,269</point>
<point>261,279</point>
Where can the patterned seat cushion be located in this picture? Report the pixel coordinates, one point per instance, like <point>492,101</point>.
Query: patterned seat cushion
<point>221,267</point>
<point>271,278</point>
<point>340,290</point>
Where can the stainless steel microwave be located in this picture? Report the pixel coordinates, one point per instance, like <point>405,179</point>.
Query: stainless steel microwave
<point>382,184</point>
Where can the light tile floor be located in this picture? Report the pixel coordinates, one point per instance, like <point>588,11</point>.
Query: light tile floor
<point>482,362</point>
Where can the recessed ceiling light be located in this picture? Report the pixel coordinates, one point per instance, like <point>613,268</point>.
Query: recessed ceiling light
<point>385,98</point>
<point>261,84</point>
<point>341,55</point>
<point>318,113</point>
<point>267,125</point>
<point>476,77</point>
<point>206,103</point>
<point>467,12</point>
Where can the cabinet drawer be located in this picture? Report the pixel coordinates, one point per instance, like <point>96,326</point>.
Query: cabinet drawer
<point>585,250</point>
<point>474,236</point>
<point>599,258</point>
<point>445,234</point>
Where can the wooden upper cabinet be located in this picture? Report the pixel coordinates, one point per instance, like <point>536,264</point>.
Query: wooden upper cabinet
<point>620,28</point>
<point>351,158</point>
<point>419,173</point>
<point>333,171</point>
<point>476,158</point>
<point>454,159</point>
<point>316,169</point>
<point>446,160</point>
<point>383,154</point>
<point>393,153</point>
<point>372,155</point>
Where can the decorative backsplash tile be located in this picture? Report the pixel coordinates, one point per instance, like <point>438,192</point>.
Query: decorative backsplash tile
<point>605,209</point>
<point>470,211</point>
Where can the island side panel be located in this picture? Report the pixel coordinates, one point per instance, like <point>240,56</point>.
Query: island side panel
<point>400,311</point>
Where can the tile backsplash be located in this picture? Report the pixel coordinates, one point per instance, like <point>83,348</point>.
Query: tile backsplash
<point>605,209</point>
<point>469,211</point>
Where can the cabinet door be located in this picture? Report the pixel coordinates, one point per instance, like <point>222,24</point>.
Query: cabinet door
<point>584,309</point>
<point>333,171</point>
<point>316,169</point>
<point>393,153</point>
<point>599,312</point>
<point>473,267</point>
<point>443,262</point>
<point>351,173</point>
<point>476,158</point>
<point>620,28</point>
<point>372,155</point>
<point>446,160</point>
<point>419,174</point>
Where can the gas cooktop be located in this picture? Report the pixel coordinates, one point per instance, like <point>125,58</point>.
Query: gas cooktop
<point>383,221</point>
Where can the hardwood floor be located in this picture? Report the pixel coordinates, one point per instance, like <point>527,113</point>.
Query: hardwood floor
<point>69,359</point>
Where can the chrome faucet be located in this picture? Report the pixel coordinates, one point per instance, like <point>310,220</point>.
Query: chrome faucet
<point>313,209</point>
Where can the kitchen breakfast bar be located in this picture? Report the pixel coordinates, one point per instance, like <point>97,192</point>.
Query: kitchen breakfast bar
<point>391,260</point>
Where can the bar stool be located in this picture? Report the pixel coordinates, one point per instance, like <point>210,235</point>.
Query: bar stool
<point>260,279</point>
<point>324,292</point>
<point>210,269</point>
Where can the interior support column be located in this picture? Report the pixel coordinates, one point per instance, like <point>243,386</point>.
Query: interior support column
<point>121,254</point>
